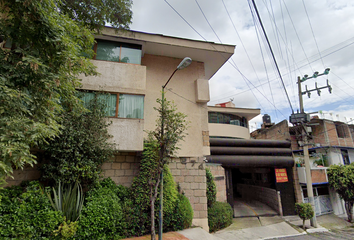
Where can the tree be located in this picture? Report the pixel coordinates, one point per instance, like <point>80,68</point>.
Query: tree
<point>39,71</point>
<point>78,153</point>
<point>341,178</point>
<point>170,129</point>
<point>305,211</point>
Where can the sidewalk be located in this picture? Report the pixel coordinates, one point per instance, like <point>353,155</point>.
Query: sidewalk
<point>262,227</point>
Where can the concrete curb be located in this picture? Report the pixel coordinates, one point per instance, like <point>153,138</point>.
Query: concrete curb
<point>284,236</point>
<point>316,230</point>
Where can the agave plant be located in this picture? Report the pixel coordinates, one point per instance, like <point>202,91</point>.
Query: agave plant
<point>68,200</point>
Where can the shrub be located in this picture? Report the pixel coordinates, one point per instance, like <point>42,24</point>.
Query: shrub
<point>27,215</point>
<point>183,214</point>
<point>102,215</point>
<point>305,211</point>
<point>211,188</point>
<point>219,216</point>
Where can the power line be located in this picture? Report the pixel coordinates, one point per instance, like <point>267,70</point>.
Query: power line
<point>260,21</point>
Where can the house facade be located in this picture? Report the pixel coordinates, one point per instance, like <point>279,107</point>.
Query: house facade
<point>247,169</point>
<point>133,67</point>
<point>331,142</point>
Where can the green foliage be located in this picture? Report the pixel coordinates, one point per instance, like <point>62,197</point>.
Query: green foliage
<point>211,188</point>
<point>182,216</point>
<point>219,216</point>
<point>66,230</point>
<point>68,200</point>
<point>97,13</point>
<point>341,178</point>
<point>38,75</point>
<point>78,153</point>
<point>305,211</point>
<point>102,215</point>
<point>27,215</point>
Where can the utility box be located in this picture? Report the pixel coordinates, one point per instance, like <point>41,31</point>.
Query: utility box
<point>299,118</point>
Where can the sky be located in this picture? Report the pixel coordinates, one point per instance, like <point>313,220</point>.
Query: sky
<point>305,36</point>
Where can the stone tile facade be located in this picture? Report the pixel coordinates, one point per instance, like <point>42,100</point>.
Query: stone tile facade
<point>123,168</point>
<point>28,173</point>
<point>218,173</point>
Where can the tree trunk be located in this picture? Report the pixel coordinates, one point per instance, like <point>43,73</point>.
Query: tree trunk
<point>349,210</point>
<point>303,224</point>
<point>152,206</point>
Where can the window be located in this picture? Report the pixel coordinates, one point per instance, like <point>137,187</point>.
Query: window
<point>119,105</point>
<point>225,118</point>
<point>117,52</point>
<point>342,130</point>
<point>345,156</point>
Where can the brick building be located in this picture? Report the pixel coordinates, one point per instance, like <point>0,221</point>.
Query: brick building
<point>331,142</point>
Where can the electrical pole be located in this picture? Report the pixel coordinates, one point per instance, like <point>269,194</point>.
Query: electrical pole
<point>301,119</point>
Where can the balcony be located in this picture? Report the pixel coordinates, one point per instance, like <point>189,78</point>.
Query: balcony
<point>228,130</point>
<point>318,175</point>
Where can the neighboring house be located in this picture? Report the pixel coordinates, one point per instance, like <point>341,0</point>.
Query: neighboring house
<point>331,142</point>
<point>247,169</point>
<point>133,67</point>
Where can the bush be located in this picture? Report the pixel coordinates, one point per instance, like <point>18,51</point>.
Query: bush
<point>28,214</point>
<point>102,215</point>
<point>219,216</point>
<point>183,214</point>
<point>211,188</point>
<point>305,211</point>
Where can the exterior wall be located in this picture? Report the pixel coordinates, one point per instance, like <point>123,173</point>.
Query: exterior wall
<point>218,173</point>
<point>120,78</point>
<point>183,95</point>
<point>228,130</point>
<point>28,173</point>
<point>123,168</point>
<point>279,131</point>
<point>189,173</point>
<point>297,188</point>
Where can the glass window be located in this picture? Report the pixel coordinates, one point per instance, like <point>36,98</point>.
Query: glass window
<point>131,106</point>
<point>107,50</point>
<point>118,52</point>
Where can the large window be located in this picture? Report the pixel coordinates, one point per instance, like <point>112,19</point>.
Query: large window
<point>225,118</point>
<point>117,52</point>
<point>119,105</point>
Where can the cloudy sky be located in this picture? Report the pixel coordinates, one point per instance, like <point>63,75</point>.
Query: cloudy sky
<point>305,35</point>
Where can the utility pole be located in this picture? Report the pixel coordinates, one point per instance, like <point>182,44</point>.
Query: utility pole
<point>301,119</point>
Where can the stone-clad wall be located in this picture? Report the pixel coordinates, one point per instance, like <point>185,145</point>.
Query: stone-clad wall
<point>123,168</point>
<point>189,173</point>
<point>218,173</point>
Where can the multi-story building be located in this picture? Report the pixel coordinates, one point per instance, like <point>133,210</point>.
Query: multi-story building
<point>133,67</point>
<point>248,169</point>
<point>331,142</point>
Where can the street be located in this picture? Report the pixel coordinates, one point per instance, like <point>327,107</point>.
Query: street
<point>347,233</point>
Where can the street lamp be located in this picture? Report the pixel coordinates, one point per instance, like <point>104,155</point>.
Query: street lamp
<point>183,64</point>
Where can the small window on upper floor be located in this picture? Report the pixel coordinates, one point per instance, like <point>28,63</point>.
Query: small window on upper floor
<point>342,130</point>
<point>345,156</point>
<point>117,52</point>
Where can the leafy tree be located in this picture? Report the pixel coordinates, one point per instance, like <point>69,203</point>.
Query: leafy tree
<point>305,211</point>
<point>78,153</point>
<point>170,129</point>
<point>97,13</point>
<point>341,178</point>
<point>39,71</point>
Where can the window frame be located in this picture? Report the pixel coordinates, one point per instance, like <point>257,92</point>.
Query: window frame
<point>117,102</point>
<point>120,51</point>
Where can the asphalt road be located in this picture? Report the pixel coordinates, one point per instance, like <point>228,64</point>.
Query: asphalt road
<point>346,234</point>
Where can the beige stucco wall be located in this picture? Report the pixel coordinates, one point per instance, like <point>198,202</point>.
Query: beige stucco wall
<point>127,133</point>
<point>228,130</point>
<point>158,70</point>
<point>116,77</point>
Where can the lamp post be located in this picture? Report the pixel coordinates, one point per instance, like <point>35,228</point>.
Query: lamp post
<point>183,64</point>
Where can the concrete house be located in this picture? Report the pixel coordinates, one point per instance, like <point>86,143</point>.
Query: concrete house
<point>133,67</point>
<point>246,169</point>
<point>331,142</point>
